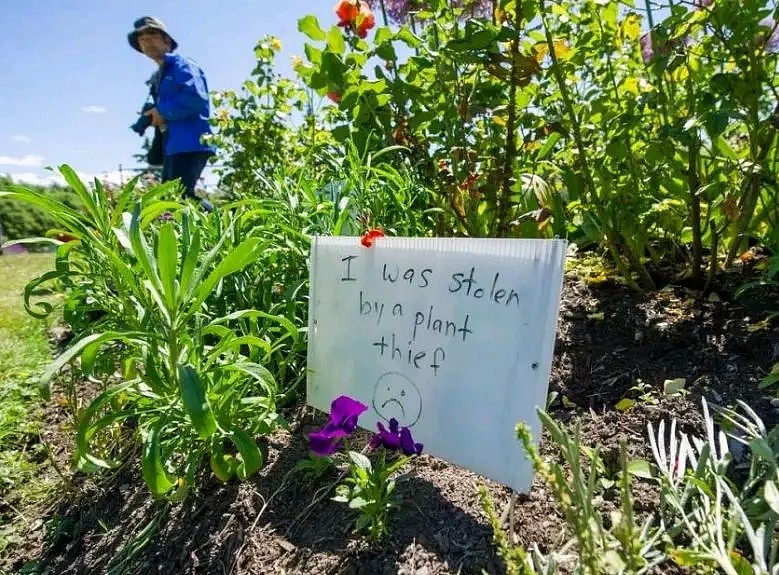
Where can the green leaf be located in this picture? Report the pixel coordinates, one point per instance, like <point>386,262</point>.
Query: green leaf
<point>360,460</point>
<point>251,455</point>
<point>141,249</point>
<point>167,258</point>
<point>771,494</point>
<point>72,179</point>
<point>624,404</point>
<point>408,37</point>
<point>193,395</point>
<point>239,258</point>
<point>29,291</point>
<point>152,466</point>
<point>190,258</point>
<point>548,146</point>
<point>674,386</point>
<point>96,339</point>
<point>687,557</point>
<point>762,449</point>
<point>309,25</point>
<point>291,328</point>
<point>358,503</point>
<point>86,428</point>
<point>640,468</point>
<point>335,41</point>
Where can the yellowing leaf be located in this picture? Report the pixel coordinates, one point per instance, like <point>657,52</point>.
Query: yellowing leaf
<point>499,121</point>
<point>758,326</point>
<point>631,27</point>
<point>561,50</point>
<point>680,74</point>
<point>624,404</point>
<point>598,315</point>
<point>631,85</point>
<point>567,403</point>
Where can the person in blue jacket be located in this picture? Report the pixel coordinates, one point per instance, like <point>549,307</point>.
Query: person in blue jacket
<point>182,106</point>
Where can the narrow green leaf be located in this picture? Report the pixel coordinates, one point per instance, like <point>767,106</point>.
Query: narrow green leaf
<point>152,466</point>
<point>141,249</point>
<point>193,395</point>
<point>189,262</point>
<point>29,291</point>
<point>167,258</point>
<point>76,349</point>
<point>86,197</point>
<point>291,328</point>
<point>548,146</point>
<point>771,494</point>
<point>240,257</point>
<point>86,428</point>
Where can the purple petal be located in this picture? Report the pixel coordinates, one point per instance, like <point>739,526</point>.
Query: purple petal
<point>385,438</point>
<point>772,42</point>
<point>394,425</point>
<point>407,444</point>
<point>322,444</point>
<point>647,52</point>
<point>344,412</point>
<point>334,431</point>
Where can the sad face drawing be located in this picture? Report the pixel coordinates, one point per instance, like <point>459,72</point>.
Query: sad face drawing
<point>397,396</point>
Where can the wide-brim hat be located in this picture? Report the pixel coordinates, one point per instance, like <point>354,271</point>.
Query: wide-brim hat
<point>148,23</point>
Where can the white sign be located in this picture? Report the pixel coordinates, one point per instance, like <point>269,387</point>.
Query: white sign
<point>452,337</point>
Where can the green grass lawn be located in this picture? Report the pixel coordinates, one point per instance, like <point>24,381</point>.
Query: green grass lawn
<point>24,352</point>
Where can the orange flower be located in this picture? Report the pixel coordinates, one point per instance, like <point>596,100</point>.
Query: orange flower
<point>347,11</point>
<point>356,15</point>
<point>366,20</point>
<point>370,236</point>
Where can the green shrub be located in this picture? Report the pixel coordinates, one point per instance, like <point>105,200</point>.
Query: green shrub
<point>20,220</point>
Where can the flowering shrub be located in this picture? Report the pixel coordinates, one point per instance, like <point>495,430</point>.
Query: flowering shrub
<point>369,486</point>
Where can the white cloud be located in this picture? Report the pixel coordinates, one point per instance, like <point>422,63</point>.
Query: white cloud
<point>21,138</point>
<point>93,110</point>
<point>113,177</point>
<point>31,178</point>
<point>27,160</point>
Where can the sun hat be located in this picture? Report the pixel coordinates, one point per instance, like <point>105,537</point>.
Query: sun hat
<point>148,23</point>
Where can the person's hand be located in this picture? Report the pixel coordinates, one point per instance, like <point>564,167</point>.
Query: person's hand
<point>156,119</point>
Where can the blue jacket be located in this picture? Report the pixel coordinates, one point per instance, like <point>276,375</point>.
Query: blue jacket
<point>183,102</point>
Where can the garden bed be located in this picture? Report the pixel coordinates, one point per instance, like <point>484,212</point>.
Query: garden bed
<point>612,344</point>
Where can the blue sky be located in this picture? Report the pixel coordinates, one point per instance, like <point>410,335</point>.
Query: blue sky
<point>72,85</point>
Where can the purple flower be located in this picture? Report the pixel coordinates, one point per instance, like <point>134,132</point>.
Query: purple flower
<point>399,11</point>
<point>395,439</point>
<point>344,413</point>
<point>647,52</point>
<point>703,3</point>
<point>772,40</point>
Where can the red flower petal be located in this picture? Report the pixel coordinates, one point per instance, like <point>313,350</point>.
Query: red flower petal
<point>369,237</point>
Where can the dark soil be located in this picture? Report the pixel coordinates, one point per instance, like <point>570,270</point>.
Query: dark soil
<point>612,344</point>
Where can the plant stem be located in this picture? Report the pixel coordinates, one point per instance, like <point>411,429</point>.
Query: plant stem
<point>504,199</point>
<point>612,238</point>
